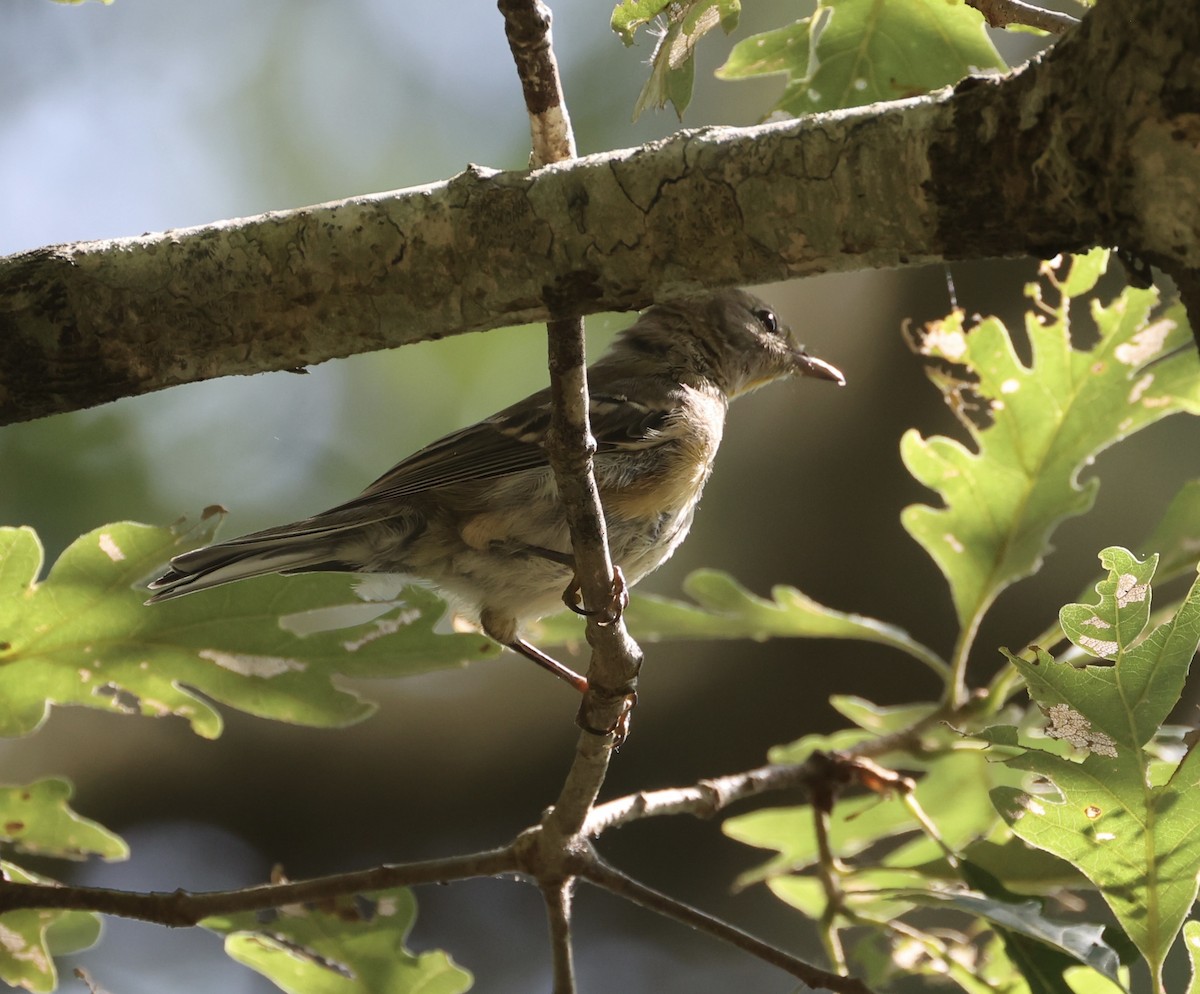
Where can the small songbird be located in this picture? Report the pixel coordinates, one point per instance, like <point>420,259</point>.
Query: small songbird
<point>477,513</point>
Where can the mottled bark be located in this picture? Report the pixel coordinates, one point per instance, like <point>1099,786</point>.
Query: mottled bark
<point>1094,144</point>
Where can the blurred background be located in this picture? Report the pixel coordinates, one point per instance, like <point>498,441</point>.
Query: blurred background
<point>153,114</point>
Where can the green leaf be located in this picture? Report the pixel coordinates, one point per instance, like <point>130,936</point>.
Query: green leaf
<point>877,719</point>
<point>1177,535</point>
<point>783,50</point>
<point>1029,870</point>
<point>723,608</point>
<point>629,15</point>
<point>1191,942</point>
<point>1042,948</point>
<point>33,935</point>
<point>949,793</point>
<point>855,52</point>
<point>1119,707</point>
<point>1133,833</point>
<point>1048,421</point>
<point>36,819</point>
<point>1083,943</point>
<point>350,945</point>
<point>672,71</point>
<point>269,646</point>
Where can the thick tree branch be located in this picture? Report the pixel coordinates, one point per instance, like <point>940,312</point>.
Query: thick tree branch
<point>1093,144</point>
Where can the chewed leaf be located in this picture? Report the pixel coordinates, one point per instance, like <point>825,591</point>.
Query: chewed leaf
<point>1117,706</point>
<point>268,646</point>
<point>352,945</point>
<point>1124,608</point>
<point>32,936</point>
<point>1131,829</point>
<point>36,818</point>
<point>1047,421</point>
<point>1140,846</point>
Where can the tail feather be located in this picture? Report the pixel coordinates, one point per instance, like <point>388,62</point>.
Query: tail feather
<point>226,563</point>
<point>337,540</point>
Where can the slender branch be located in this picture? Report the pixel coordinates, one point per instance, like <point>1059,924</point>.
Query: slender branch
<point>527,25</point>
<point>827,870</point>
<point>606,877</point>
<point>703,800</point>
<point>180,908</point>
<point>1002,13</point>
<point>710,796</point>
<point>557,895</point>
<point>616,658</point>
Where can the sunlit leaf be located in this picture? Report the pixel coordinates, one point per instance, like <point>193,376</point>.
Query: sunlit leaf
<point>948,790</point>
<point>877,719</point>
<point>32,936</point>
<point>348,946</point>
<point>855,52</point>
<point>723,608</point>
<point>1048,421</point>
<point>672,66</point>
<point>1191,942</point>
<point>268,646</point>
<point>1134,833</point>
<point>35,818</point>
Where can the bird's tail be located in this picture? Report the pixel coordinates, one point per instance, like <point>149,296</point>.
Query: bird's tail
<point>289,549</point>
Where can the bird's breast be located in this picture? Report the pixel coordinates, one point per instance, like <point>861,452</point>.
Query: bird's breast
<point>669,476</point>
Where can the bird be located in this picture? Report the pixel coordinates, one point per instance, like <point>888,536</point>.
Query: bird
<point>476,514</point>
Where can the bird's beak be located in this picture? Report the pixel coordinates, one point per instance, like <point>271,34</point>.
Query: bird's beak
<point>807,365</point>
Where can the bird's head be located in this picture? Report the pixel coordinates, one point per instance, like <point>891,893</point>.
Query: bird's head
<point>729,337</point>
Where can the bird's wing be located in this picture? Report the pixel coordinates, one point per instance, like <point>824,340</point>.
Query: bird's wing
<point>512,441</point>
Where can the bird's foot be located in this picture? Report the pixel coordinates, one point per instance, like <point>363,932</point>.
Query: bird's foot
<point>611,613</point>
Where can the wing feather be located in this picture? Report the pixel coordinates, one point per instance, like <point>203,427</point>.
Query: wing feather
<point>513,441</point>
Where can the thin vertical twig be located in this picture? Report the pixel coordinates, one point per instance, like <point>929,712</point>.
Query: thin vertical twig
<point>557,896</point>
<point>615,656</point>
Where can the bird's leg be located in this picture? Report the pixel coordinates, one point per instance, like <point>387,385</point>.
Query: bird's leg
<point>564,673</point>
<point>611,612</point>
<point>502,628</point>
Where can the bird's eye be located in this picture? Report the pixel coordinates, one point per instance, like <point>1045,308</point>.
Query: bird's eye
<point>768,320</point>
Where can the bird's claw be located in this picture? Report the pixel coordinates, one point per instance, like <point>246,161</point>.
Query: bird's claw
<point>611,613</point>
<point>619,729</point>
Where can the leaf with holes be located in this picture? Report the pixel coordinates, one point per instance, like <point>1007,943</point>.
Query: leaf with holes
<point>269,646</point>
<point>352,945</point>
<point>33,936</point>
<point>1132,830</point>
<point>36,818</point>
<point>1048,420</point>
